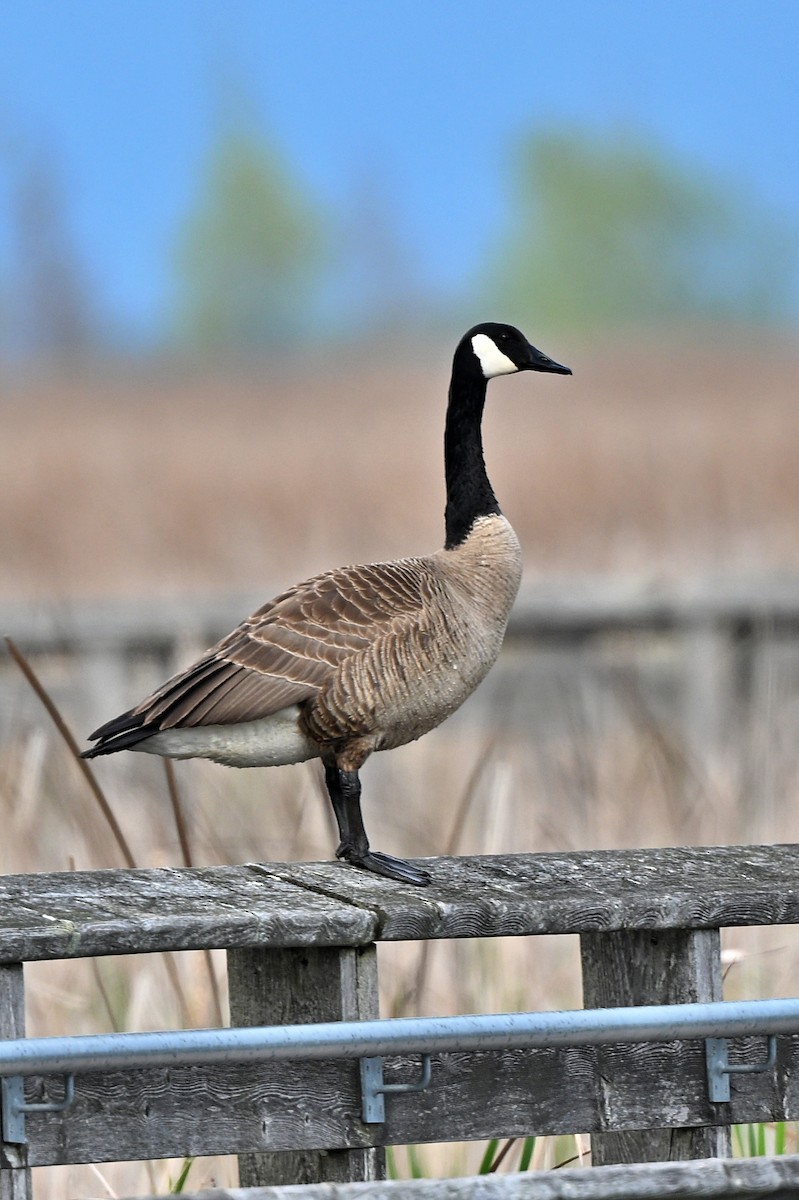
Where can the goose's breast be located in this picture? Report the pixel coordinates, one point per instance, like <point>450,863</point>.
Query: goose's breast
<point>410,681</point>
<point>463,636</point>
<point>449,663</point>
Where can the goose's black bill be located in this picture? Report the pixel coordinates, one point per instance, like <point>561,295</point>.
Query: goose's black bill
<point>538,361</point>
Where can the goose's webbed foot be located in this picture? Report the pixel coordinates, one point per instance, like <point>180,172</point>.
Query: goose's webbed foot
<point>344,789</point>
<point>384,864</point>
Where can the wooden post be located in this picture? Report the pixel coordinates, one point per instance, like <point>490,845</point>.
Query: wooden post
<point>15,1176</point>
<point>292,987</point>
<point>673,966</point>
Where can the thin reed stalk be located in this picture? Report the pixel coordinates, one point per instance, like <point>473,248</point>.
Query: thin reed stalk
<point>65,732</point>
<point>497,1162</point>
<point>177,812</point>
<point>86,770</point>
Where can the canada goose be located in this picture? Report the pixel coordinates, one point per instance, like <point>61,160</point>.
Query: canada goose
<point>362,658</point>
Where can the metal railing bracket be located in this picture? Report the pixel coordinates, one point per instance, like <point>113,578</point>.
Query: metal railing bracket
<point>719,1067</point>
<point>13,1106</point>
<point>373,1089</point>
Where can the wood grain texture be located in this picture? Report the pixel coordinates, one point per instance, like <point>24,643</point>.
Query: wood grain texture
<point>165,1113</point>
<point>295,986</point>
<point>576,892</point>
<point>82,913</point>
<point>710,1179</point>
<point>15,1177</point>
<point>76,914</point>
<point>653,967</point>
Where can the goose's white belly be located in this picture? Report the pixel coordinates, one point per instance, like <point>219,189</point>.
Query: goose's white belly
<point>271,741</point>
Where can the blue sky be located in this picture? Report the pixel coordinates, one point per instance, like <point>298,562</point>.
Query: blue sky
<point>427,96</point>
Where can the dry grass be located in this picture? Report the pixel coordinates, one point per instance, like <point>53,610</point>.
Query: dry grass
<point>661,459</point>
<point>651,459</point>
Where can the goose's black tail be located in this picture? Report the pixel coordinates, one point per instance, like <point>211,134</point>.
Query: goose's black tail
<point>120,734</point>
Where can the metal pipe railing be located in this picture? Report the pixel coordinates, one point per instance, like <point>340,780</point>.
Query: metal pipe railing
<point>424,1035</point>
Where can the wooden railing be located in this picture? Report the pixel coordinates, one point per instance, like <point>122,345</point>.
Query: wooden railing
<point>301,947</point>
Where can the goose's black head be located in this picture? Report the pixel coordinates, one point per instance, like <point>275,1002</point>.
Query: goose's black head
<point>495,349</point>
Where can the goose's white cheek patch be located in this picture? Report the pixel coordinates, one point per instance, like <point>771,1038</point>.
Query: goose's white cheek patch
<point>492,360</point>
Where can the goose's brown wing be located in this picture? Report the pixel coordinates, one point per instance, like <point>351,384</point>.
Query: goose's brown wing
<point>289,649</point>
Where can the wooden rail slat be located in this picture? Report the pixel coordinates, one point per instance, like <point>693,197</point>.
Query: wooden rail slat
<point>80,914</point>
<point>709,1179</point>
<point>311,1106</point>
<point>75,914</point>
<point>575,892</point>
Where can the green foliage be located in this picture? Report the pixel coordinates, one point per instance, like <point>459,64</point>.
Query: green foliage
<point>487,1161</point>
<point>527,1153</point>
<point>179,1184</point>
<point>611,231</point>
<point>251,253</point>
<point>415,1164</point>
<point>757,1141</point>
<point>494,1155</point>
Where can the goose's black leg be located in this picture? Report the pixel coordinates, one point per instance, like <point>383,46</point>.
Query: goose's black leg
<point>344,789</point>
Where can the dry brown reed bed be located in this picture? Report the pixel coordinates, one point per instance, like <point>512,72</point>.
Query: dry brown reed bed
<point>669,457</point>
<point>660,459</point>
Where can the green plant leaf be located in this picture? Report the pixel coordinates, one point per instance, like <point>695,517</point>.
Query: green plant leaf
<point>177,1187</point>
<point>527,1153</point>
<point>488,1157</point>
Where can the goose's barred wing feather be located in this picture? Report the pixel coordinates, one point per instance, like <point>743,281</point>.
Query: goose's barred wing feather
<point>286,652</point>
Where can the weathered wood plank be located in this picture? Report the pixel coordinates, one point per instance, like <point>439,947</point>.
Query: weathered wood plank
<point>709,1179</point>
<point>76,914</point>
<point>653,967</point>
<point>290,987</point>
<point>575,892</point>
<point>167,1113</point>
<point>15,1177</point>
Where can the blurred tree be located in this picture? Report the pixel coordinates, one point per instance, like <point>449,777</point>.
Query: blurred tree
<point>250,258</point>
<point>380,283</point>
<point>50,313</point>
<point>612,232</point>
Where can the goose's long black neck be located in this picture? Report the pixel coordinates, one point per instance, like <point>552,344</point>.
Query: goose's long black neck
<point>469,493</point>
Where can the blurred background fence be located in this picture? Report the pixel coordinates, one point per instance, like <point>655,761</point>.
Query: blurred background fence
<point>704,653</point>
